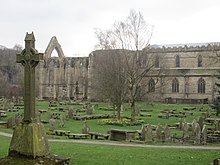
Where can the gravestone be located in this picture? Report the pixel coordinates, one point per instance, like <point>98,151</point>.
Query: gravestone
<point>204,134</point>
<point>18,118</point>
<point>194,122</point>
<point>197,134</point>
<point>148,134</point>
<point>185,131</point>
<point>159,130</point>
<point>200,121</point>
<point>62,121</point>
<point>86,128</point>
<point>52,124</point>
<point>143,132</point>
<point>29,137</point>
<point>11,122</point>
<point>217,125</point>
<point>71,113</point>
<point>89,109</point>
<point>167,132</point>
<point>181,123</point>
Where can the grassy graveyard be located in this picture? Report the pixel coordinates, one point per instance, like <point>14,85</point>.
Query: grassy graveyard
<point>97,125</point>
<point>101,154</point>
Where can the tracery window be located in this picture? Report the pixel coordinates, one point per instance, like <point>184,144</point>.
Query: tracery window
<point>177,61</point>
<point>199,61</point>
<point>175,86</point>
<point>201,85</point>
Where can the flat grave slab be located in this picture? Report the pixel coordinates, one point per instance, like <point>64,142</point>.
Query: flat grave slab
<point>118,134</point>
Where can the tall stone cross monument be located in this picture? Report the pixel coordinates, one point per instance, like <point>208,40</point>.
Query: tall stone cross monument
<point>29,58</point>
<point>29,137</point>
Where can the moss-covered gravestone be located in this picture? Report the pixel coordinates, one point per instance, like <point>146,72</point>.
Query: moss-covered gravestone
<point>29,137</point>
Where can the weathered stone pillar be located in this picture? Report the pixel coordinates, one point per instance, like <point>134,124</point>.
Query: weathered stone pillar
<point>55,83</point>
<point>68,77</point>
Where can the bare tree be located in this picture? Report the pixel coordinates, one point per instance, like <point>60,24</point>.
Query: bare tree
<point>132,38</point>
<point>108,80</point>
<point>10,72</point>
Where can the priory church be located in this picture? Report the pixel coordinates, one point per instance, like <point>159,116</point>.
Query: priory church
<point>189,77</point>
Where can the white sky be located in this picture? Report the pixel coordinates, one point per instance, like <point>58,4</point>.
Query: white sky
<point>73,21</point>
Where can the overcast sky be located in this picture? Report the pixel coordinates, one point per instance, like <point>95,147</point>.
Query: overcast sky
<point>73,21</point>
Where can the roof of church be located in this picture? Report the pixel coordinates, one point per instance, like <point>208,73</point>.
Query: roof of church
<point>183,45</point>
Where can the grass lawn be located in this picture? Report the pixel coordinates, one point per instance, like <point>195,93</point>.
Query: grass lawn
<point>88,154</point>
<point>75,126</point>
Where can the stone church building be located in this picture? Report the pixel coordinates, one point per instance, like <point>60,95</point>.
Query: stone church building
<point>189,74</point>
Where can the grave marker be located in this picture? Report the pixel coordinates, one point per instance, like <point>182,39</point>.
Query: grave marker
<point>29,137</point>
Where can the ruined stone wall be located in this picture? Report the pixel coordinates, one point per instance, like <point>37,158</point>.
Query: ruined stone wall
<point>62,77</point>
<point>70,77</point>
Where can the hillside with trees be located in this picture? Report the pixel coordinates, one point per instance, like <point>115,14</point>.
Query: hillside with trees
<point>11,73</point>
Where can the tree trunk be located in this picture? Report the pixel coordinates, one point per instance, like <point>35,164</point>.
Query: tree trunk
<point>133,111</point>
<point>119,112</point>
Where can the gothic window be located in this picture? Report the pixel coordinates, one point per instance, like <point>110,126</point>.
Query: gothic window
<point>177,61</point>
<point>157,62</point>
<point>175,86</point>
<point>199,61</point>
<point>151,85</point>
<point>201,85</point>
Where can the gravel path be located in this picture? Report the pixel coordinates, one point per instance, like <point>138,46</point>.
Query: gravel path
<point>115,143</point>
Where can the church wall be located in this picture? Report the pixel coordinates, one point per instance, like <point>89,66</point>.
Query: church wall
<point>188,72</point>
<point>70,77</point>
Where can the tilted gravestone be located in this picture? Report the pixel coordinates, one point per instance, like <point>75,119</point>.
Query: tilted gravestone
<point>29,137</point>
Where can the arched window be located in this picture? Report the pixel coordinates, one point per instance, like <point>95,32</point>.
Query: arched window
<point>201,85</point>
<point>177,61</point>
<point>157,62</point>
<point>175,86</point>
<point>151,85</point>
<point>199,61</point>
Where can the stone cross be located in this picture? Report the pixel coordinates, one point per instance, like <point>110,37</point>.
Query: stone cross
<point>29,58</point>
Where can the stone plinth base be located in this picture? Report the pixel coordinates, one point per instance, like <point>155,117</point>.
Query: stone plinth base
<point>29,139</point>
<point>48,160</point>
<point>216,161</point>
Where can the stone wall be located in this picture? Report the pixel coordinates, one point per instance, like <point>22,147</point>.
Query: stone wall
<point>70,77</point>
<point>62,77</point>
<point>187,73</point>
